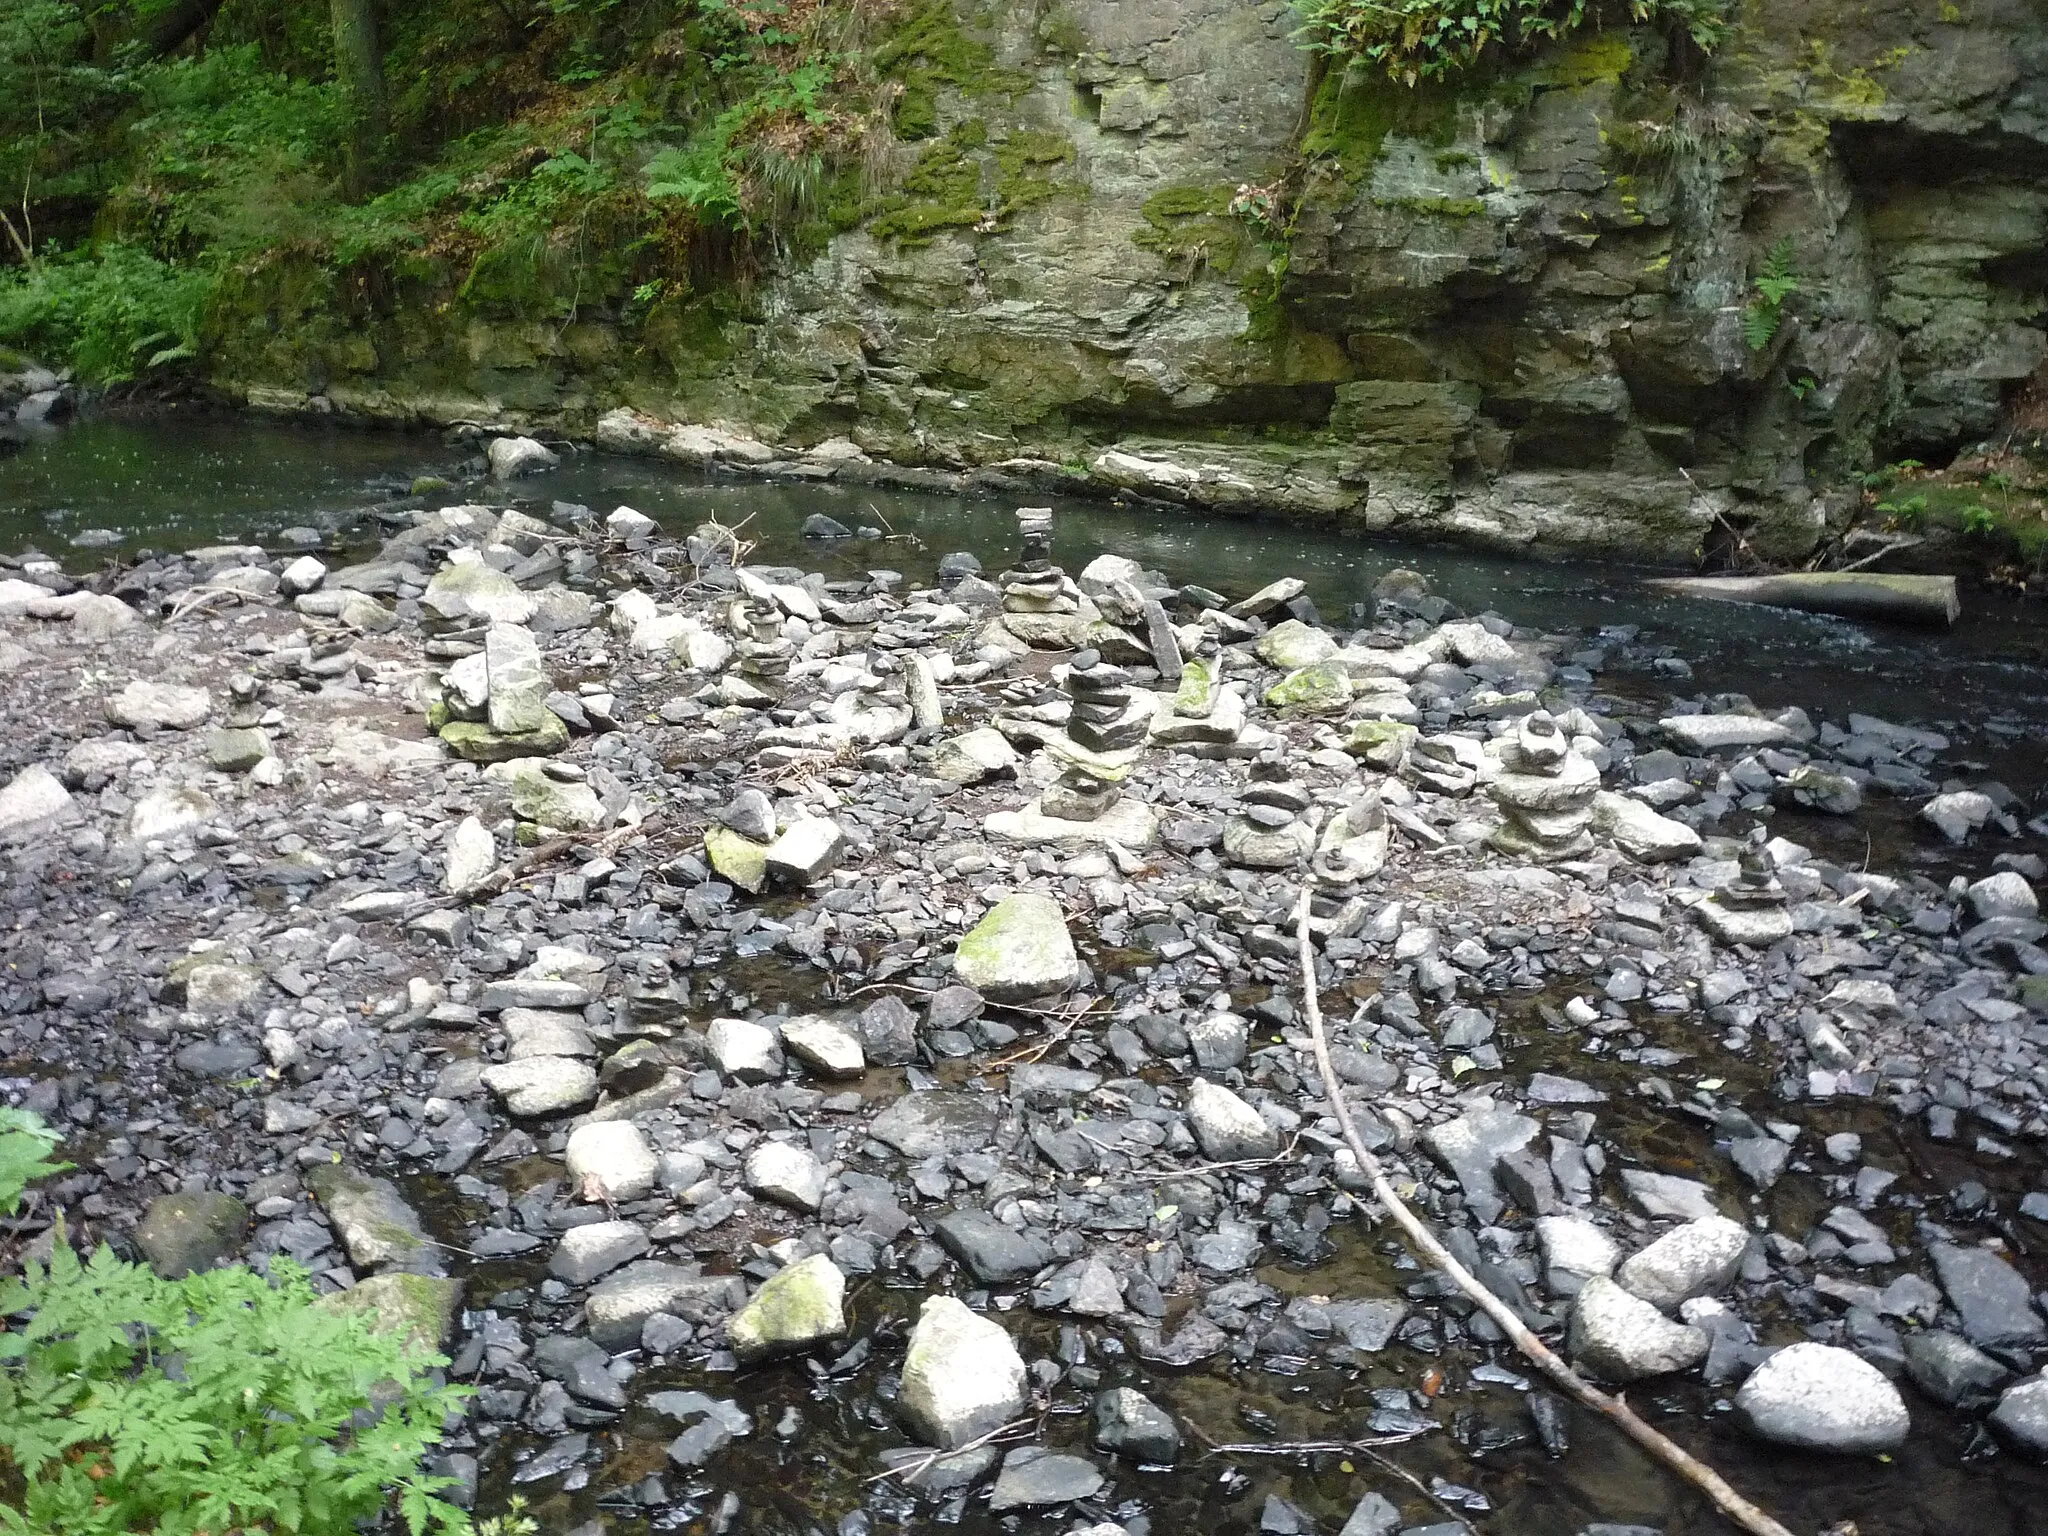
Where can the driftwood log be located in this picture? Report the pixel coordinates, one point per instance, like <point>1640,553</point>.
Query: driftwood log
<point>1929,600</point>
<point>1730,1503</point>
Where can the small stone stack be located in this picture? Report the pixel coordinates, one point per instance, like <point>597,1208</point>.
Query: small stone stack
<point>1751,909</point>
<point>1088,785</point>
<point>1269,829</point>
<point>1035,584</point>
<point>1108,716</point>
<point>1546,792</point>
<point>764,653</point>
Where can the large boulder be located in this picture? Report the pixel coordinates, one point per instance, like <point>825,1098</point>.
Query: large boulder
<point>32,801</point>
<point>1700,1258</point>
<point>1622,1338</point>
<point>159,706</point>
<point>1020,951</point>
<point>182,1234</point>
<point>377,1227</point>
<point>611,1161</point>
<point>1228,1128</point>
<point>1640,832</point>
<point>512,457</point>
<point>962,1376</point>
<point>1820,1398</point>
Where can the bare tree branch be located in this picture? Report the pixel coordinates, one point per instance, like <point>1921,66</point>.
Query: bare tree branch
<point>1730,1503</point>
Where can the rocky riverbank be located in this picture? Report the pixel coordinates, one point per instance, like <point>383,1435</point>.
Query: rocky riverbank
<point>686,984</point>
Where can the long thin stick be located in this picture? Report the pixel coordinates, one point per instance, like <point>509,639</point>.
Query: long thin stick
<point>1691,1468</point>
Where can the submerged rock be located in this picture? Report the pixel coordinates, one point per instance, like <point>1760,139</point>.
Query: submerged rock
<point>1821,1398</point>
<point>961,1378</point>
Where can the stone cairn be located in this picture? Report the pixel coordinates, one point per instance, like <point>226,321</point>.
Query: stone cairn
<point>1035,584</point>
<point>1269,828</point>
<point>1751,908</point>
<point>764,653</point>
<point>1545,790</point>
<point>1108,722</point>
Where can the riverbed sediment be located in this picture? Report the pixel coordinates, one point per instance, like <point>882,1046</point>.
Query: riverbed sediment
<point>936,937</point>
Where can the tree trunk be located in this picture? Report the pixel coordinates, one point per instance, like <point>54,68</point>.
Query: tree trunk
<point>1852,594</point>
<point>171,27</point>
<point>359,66</point>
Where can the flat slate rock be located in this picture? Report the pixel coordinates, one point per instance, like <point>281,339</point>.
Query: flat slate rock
<point>993,1253</point>
<point>936,1123</point>
<point>1033,1475</point>
<point>1996,1307</point>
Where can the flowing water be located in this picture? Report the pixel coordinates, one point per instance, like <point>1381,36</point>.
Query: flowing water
<point>192,479</point>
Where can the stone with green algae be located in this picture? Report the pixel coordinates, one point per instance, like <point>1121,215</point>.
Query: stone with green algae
<point>1323,689</point>
<point>478,743</point>
<point>802,1305</point>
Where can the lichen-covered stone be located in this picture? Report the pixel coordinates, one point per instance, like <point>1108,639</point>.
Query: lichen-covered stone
<point>797,1307</point>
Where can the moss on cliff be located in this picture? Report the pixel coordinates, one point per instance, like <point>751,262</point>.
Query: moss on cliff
<point>928,51</point>
<point>1190,222</point>
<point>945,189</point>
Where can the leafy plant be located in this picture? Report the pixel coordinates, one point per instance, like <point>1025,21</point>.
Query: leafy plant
<point>1979,521</point>
<point>25,1147</point>
<point>1416,40</point>
<point>113,313</point>
<point>1776,281</point>
<point>515,1521</point>
<point>1907,511</point>
<point>220,1402</point>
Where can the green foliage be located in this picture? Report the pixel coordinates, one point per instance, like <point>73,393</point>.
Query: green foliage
<point>1776,281</point>
<point>25,1147</point>
<point>1905,511</point>
<point>925,51</point>
<point>220,1402</point>
<point>112,313</point>
<point>1416,40</point>
<point>1979,521</point>
<point>515,1521</point>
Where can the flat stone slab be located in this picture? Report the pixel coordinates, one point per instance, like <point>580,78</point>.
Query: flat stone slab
<point>1128,824</point>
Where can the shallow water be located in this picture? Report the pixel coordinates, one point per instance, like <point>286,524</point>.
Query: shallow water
<point>179,480</point>
<point>191,479</point>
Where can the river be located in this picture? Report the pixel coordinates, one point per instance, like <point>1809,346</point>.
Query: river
<point>175,481</point>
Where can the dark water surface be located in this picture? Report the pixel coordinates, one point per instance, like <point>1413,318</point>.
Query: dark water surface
<point>178,481</point>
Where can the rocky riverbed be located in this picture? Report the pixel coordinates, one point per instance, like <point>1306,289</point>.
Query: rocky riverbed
<point>827,1054</point>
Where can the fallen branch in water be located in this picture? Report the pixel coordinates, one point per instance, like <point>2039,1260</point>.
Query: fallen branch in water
<point>1676,1457</point>
<point>930,1459</point>
<point>1308,1447</point>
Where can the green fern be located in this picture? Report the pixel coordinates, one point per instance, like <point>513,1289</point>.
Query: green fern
<point>221,1402</point>
<point>25,1147</point>
<point>1776,281</point>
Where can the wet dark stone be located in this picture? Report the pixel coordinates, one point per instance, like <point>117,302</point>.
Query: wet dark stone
<point>888,1031</point>
<point>993,1253</point>
<point>1033,1475</point>
<point>1131,1425</point>
<point>1996,1308</point>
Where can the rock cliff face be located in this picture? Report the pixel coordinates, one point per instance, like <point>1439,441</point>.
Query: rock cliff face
<point>1154,244</point>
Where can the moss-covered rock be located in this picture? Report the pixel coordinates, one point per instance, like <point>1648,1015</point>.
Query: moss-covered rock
<point>800,1306</point>
<point>1020,951</point>
<point>417,1307</point>
<point>1323,689</point>
<point>476,742</point>
<point>737,858</point>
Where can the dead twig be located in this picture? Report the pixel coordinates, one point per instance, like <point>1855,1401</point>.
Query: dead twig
<point>1731,1504</point>
<point>1310,1447</point>
<point>931,1459</point>
<point>1286,1154</point>
<point>1389,1465</point>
